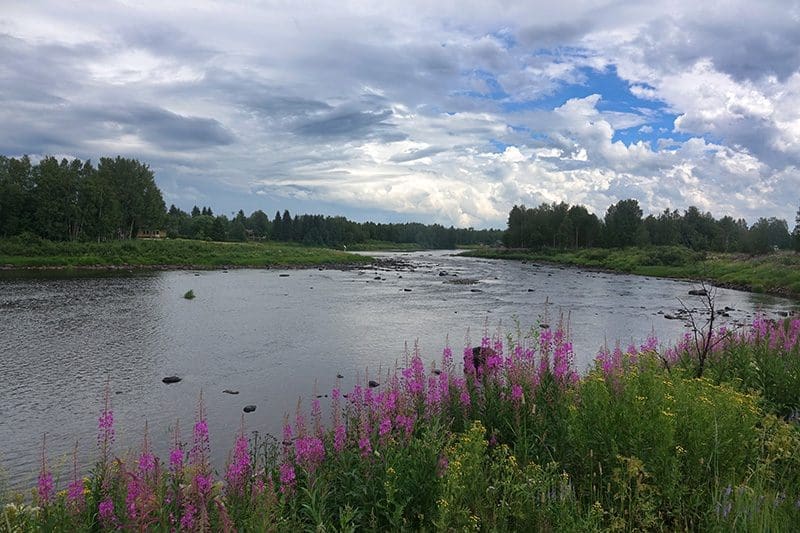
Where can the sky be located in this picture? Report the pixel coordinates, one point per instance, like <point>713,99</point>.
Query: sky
<point>446,111</point>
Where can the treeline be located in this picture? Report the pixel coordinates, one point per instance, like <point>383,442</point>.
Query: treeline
<point>316,230</point>
<point>73,200</point>
<point>564,226</point>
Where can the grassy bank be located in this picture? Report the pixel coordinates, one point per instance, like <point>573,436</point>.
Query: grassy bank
<point>519,442</point>
<point>777,273</point>
<point>175,253</point>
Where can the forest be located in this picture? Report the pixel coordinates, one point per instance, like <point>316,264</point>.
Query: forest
<point>563,226</point>
<point>73,200</point>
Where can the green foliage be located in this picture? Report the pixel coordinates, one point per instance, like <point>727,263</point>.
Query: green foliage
<point>189,295</point>
<point>777,273</point>
<point>29,250</point>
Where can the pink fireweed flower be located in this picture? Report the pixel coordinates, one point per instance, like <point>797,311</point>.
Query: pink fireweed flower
<point>287,433</point>
<point>201,442</point>
<point>131,496</point>
<point>562,360</point>
<point>651,344</point>
<point>287,478</point>
<point>469,364</point>
<point>203,483</point>
<point>106,511</point>
<point>385,428</point>
<point>187,520</point>
<point>414,376</point>
<point>516,393</point>
<point>75,494</point>
<point>546,340</point>
<point>201,447</point>
<point>239,467</point>
<point>447,357</point>
<point>339,437</point>
<point>365,446</point>
<point>309,452</point>
<point>433,396</point>
<point>45,487</point>
<point>176,460</point>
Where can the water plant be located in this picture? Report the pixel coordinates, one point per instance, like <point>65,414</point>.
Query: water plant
<point>516,440</point>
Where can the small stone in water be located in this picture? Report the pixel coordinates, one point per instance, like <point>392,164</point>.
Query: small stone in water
<point>372,384</point>
<point>171,379</point>
<point>249,408</point>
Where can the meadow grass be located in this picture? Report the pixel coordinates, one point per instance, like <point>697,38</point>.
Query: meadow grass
<point>776,273</point>
<point>511,440</point>
<point>28,252</point>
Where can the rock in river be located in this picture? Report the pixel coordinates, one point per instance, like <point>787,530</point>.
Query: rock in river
<point>249,408</point>
<point>229,391</point>
<point>698,292</point>
<point>171,379</point>
<point>372,384</point>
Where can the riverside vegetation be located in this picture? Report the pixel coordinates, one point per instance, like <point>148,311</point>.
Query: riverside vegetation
<point>510,439</point>
<point>28,250</point>
<point>775,273</point>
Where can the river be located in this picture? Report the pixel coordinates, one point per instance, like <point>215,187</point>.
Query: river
<point>273,335</point>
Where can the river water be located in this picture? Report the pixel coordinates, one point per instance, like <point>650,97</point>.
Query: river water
<point>273,335</point>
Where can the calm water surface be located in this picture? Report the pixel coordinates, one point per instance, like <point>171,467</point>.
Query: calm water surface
<point>273,336</point>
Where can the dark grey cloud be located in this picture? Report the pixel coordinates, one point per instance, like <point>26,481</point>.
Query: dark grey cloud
<point>349,124</point>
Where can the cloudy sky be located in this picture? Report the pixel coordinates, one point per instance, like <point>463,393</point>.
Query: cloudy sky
<point>446,111</point>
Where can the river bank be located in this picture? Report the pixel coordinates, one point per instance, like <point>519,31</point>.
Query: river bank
<point>777,274</point>
<point>170,254</point>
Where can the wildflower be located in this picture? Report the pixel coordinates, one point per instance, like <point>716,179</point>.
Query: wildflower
<point>309,451</point>
<point>106,510</point>
<point>385,427</point>
<point>239,468</point>
<point>364,445</point>
<point>339,437</point>
<point>516,393</point>
<point>187,520</point>
<point>176,459</point>
<point>287,477</point>
<point>75,494</point>
<point>45,485</point>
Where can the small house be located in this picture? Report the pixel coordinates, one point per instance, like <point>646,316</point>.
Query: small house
<point>151,234</point>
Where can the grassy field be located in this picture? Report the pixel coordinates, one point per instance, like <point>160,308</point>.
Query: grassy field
<point>777,273</point>
<point>172,253</point>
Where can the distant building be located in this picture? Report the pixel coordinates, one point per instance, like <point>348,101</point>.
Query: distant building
<point>151,234</point>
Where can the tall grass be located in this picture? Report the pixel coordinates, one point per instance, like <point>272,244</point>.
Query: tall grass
<point>31,251</point>
<point>518,442</point>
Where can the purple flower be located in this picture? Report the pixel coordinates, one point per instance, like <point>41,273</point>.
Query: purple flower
<point>106,509</point>
<point>176,459</point>
<point>339,437</point>
<point>309,451</point>
<point>516,393</point>
<point>364,446</point>
<point>147,463</point>
<point>239,468</point>
<point>287,477</point>
<point>385,427</point>
<point>203,483</point>
<point>45,487</point>
<point>187,520</point>
<point>75,492</point>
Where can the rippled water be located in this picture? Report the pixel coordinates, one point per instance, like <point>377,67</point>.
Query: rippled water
<point>273,334</point>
